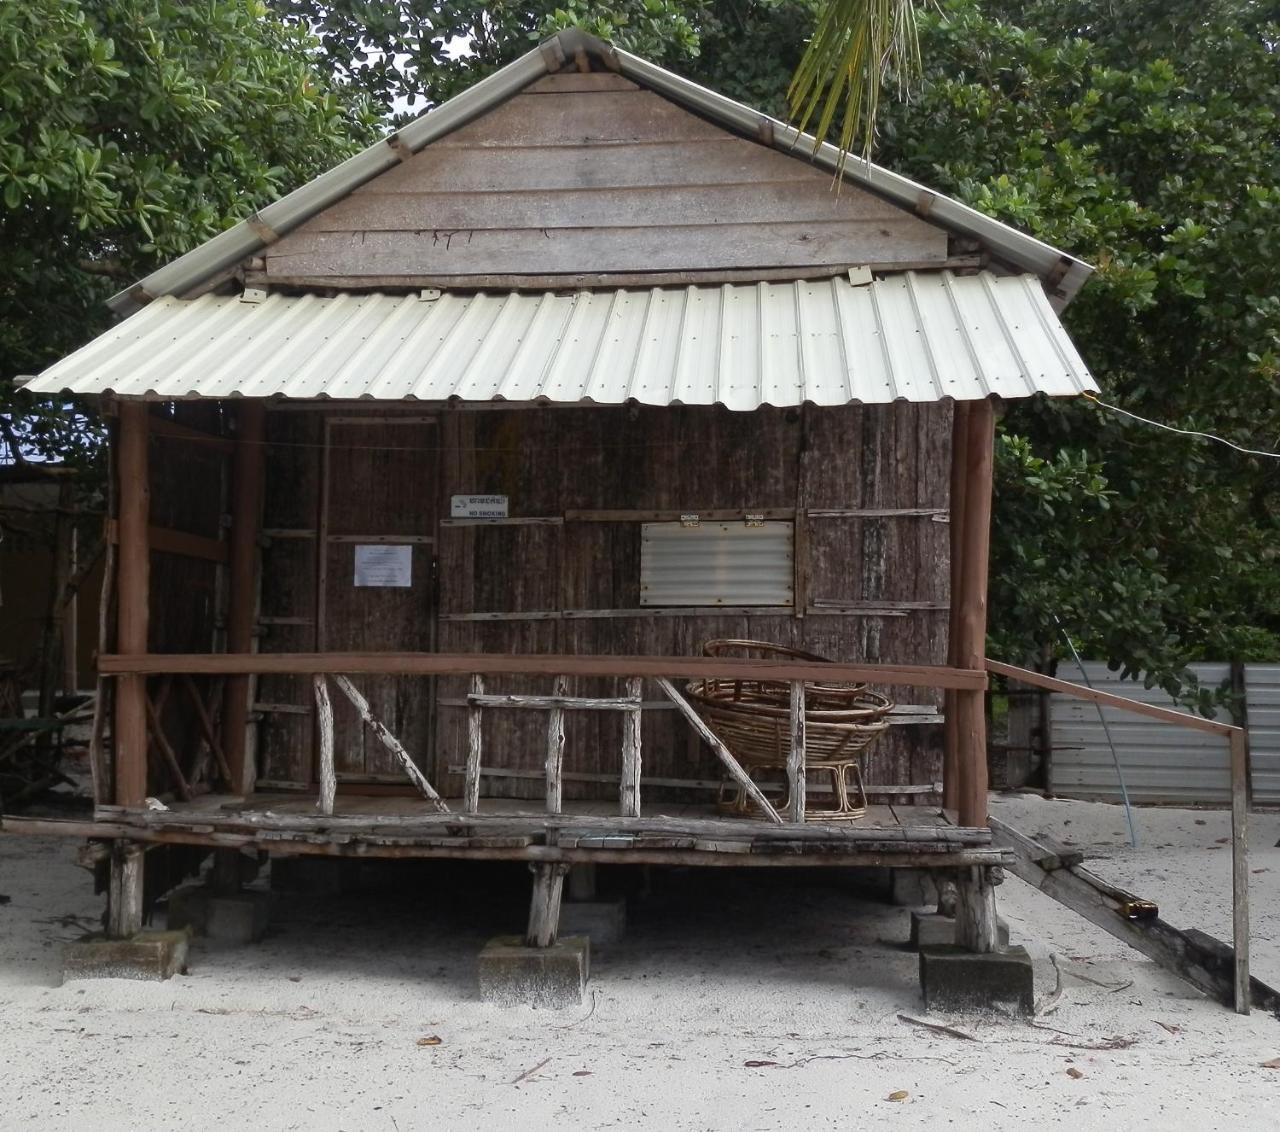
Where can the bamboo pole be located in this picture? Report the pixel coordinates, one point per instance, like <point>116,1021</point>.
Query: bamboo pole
<point>971,732</point>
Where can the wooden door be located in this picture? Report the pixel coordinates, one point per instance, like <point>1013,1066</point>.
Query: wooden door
<point>376,585</point>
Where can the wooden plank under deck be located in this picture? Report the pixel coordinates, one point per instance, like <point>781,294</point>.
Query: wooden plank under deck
<point>507,829</point>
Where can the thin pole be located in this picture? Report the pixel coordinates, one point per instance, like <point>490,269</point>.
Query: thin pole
<point>951,744</point>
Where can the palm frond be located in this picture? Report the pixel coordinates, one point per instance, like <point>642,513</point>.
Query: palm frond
<point>855,47</point>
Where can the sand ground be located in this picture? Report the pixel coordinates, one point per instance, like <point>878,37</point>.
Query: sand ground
<point>318,1027</point>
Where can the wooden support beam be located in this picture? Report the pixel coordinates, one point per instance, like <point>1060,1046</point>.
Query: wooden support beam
<point>740,776</point>
<point>629,794</point>
<point>795,759</point>
<point>182,543</point>
<point>391,743</point>
<point>247,477</point>
<point>951,740</point>
<point>555,748</point>
<point>491,664</point>
<point>324,726</point>
<point>971,736</point>
<point>133,581</point>
<point>170,756</point>
<point>544,904</point>
<point>475,743</point>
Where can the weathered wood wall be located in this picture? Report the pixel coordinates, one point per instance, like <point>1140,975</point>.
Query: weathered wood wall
<point>687,459</point>
<point>590,178</point>
<point>392,480</point>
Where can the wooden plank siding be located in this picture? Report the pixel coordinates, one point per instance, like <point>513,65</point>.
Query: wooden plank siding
<point>569,178</point>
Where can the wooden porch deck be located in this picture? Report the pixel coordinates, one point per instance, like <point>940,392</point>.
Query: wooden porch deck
<point>673,833</point>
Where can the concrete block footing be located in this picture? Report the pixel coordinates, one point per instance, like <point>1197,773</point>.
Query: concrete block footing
<point>954,979</point>
<point>233,917</point>
<point>603,921</point>
<point>555,977</point>
<point>931,929</point>
<point>151,956</point>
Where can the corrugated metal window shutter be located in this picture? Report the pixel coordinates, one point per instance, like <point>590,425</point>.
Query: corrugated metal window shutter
<point>727,563</point>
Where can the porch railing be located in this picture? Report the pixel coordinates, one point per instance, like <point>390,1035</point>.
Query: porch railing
<point>633,670</point>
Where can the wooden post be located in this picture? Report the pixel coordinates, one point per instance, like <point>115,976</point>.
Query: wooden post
<point>631,721</point>
<point>133,573</point>
<point>555,748</point>
<point>1240,867</point>
<point>475,735</point>
<point>795,759</point>
<point>247,474</point>
<point>324,725</point>
<point>977,928</point>
<point>544,906</point>
<point>971,730</point>
<point>951,747</point>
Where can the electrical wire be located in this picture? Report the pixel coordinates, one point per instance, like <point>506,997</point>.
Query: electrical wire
<point>1181,431</point>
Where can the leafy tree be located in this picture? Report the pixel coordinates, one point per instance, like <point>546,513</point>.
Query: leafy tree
<point>130,131</point>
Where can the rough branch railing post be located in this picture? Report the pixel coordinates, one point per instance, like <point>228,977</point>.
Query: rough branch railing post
<point>475,735</point>
<point>324,725</point>
<point>390,742</point>
<point>740,776</point>
<point>555,747</point>
<point>631,720</point>
<point>1240,867</point>
<point>795,759</point>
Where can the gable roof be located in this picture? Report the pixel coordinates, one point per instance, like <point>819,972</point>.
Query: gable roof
<point>1061,274</point>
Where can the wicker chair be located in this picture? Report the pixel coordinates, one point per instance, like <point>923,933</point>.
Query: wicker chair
<point>753,719</point>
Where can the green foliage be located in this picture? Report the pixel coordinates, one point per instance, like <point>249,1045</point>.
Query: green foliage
<point>130,131</point>
<point>409,55</point>
<point>1143,138</point>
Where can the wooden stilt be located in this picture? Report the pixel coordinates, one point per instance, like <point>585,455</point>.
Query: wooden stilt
<point>544,906</point>
<point>951,747</point>
<point>124,891</point>
<point>977,928</point>
<point>248,466</point>
<point>971,730</point>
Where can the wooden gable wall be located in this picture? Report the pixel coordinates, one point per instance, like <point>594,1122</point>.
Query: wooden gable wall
<point>588,179</point>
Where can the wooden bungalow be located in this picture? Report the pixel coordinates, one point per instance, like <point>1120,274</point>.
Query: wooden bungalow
<point>431,479</point>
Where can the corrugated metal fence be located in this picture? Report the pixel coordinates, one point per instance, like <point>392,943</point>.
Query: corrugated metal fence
<point>1161,762</point>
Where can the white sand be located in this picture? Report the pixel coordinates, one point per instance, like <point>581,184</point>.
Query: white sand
<point>317,1027</point>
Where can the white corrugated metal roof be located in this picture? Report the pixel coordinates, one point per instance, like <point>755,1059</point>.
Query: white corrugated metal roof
<point>1063,274</point>
<point>912,336</point>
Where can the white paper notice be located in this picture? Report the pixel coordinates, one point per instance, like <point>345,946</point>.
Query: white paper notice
<point>383,565</point>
